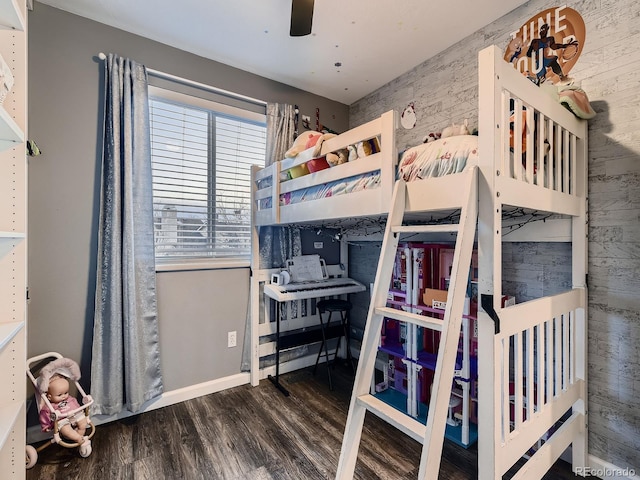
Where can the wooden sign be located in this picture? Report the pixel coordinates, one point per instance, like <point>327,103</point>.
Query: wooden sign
<point>548,45</point>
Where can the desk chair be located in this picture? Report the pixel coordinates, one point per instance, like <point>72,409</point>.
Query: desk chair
<point>342,307</point>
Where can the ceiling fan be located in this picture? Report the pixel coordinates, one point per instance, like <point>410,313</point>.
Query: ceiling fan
<point>301,17</point>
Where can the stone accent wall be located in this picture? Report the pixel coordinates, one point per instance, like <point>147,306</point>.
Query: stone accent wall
<point>444,90</point>
<point>363,262</point>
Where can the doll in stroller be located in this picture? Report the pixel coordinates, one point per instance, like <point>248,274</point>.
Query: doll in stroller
<point>58,410</point>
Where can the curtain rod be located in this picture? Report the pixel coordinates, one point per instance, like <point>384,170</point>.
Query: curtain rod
<point>203,86</point>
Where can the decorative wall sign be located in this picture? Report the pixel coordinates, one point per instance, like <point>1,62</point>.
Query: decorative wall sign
<point>408,117</point>
<point>548,45</point>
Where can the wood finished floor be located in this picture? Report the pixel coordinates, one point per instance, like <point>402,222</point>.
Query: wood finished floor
<point>254,433</point>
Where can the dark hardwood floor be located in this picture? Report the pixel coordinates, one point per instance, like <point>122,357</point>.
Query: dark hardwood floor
<point>254,433</point>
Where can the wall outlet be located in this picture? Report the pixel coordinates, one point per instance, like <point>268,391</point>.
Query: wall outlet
<point>232,339</point>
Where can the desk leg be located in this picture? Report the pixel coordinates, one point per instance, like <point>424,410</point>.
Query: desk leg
<point>276,380</point>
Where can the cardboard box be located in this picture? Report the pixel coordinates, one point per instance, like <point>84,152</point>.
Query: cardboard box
<point>435,298</point>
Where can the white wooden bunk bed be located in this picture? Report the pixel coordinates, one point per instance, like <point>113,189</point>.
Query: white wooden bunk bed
<point>532,356</point>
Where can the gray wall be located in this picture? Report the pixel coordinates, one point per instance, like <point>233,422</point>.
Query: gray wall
<point>444,90</point>
<point>196,309</point>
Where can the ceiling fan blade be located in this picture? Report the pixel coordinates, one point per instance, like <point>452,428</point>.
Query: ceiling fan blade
<point>301,17</point>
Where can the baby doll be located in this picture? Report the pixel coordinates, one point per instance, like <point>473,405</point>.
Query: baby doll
<point>62,402</point>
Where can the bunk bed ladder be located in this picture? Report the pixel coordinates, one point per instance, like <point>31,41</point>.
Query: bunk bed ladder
<point>430,435</point>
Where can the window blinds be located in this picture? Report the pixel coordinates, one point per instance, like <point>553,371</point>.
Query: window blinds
<point>201,160</point>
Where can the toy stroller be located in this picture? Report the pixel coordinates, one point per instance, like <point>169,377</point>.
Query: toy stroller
<point>68,414</point>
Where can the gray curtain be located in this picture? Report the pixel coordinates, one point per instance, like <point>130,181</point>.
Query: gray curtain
<point>277,244</point>
<point>125,364</point>
<point>281,129</point>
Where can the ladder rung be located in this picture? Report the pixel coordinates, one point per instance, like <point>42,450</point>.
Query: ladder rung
<point>403,422</point>
<point>444,228</point>
<point>420,320</point>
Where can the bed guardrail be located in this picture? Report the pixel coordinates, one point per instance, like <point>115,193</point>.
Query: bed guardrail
<point>272,182</point>
<point>536,143</point>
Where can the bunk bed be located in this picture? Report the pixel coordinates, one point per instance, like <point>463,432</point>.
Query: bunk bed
<point>531,155</point>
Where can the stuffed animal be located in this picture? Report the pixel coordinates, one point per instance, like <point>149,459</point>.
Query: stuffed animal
<point>432,137</point>
<point>321,139</point>
<point>453,130</point>
<point>338,157</point>
<point>314,141</point>
<point>353,153</point>
<point>300,143</point>
<point>368,147</point>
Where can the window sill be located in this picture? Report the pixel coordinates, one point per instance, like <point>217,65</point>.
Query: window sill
<point>186,265</point>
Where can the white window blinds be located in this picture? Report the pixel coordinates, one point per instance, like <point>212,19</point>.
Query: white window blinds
<point>202,154</point>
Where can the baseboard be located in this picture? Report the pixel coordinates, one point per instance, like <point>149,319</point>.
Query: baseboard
<point>608,471</point>
<point>35,434</point>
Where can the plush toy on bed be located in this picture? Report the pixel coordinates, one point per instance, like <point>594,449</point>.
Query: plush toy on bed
<point>353,153</point>
<point>453,130</point>
<point>338,157</point>
<point>368,147</point>
<point>305,140</point>
<point>432,137</point>
<point>319,141</point>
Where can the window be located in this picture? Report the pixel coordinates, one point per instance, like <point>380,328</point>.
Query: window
<point>201,154</point>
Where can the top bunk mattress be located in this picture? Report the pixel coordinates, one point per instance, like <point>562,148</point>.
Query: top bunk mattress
<point>441,157</point>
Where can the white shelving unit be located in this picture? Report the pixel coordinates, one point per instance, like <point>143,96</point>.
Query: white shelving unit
<point>13,244</point>
<point>13,15</point>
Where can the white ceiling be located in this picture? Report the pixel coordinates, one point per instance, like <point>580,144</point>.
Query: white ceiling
<point>375,41</point>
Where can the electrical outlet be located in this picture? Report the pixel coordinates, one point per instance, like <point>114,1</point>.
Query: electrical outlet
<point>232,340</point>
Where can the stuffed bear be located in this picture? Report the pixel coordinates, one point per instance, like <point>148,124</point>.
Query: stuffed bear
<point>300,143</point>
<point>338,157</point>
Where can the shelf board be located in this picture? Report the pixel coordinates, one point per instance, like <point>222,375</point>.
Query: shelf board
<point>8,416</point>
<point>8,331</point>
<point>10,133</point>
<point>8,240</point>
<point>11,235</point>
<point>395,350</point>
<point>10,15</point>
